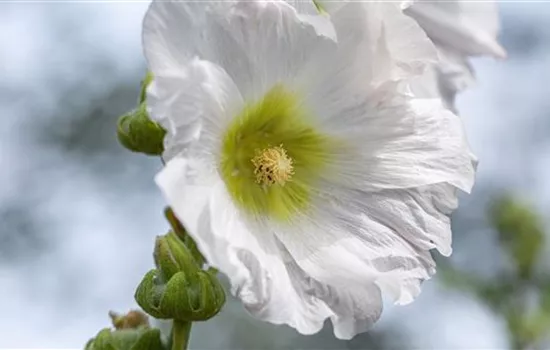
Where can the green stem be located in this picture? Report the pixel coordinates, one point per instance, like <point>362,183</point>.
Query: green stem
<point>181,332</point>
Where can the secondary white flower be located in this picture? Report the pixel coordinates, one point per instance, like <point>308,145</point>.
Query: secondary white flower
<point>303,166</point>
<point>460,29</point>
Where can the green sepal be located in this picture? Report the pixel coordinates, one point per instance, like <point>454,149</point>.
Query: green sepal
<point>138,133</point>
<point>144,84</point>
<point>126,339</point>
<point>319,7</point>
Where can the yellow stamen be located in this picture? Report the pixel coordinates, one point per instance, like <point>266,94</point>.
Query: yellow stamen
<point>272,165</point>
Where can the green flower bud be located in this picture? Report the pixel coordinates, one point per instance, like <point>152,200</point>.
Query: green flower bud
<point>126,339</point>
<point>179,289</point>
<point>520,230</point>
<point>180,231</point>
<point>172,256</point>
<point>138,133</point>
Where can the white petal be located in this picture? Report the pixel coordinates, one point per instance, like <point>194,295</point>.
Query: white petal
<point>420,215</point>
<point>467,26</point>
<point>172,95</point>
<point>169,33</point>
<point>187,196</point>
<point>409,47</point>
<point>395,141</point>
<point>393,45</point>
<point>400,142</point>
<point>354,309</point>
<point>257,43</point>
<point>456,73</point>
<point>194,107</point>
<point>345,244</point>
<point>427,145</point>
<point>451,75</point>
<point>353,238</point>
<point>270,291</point>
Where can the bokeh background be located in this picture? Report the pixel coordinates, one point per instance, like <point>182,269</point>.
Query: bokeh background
<point>78,213</point>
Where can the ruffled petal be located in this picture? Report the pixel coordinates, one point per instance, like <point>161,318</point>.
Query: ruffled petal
<point>456,72</point>
<point>356,309</point>
<point>460,29</point>
<point>193,106</point>
<point>353,308</point>
<point>169,34</point>
<point>257,43</point>
<point>408,46</point>
<point>172,95</point>
<point>394,140</point>
<point>343,243</point>
<point>392,44</point>
<point>411,143</point>
<point>353,238</point>
<point>451,75</point>
<point>270,290</point>
<point>469,27</point>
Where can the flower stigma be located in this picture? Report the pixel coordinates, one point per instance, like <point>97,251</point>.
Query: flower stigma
<point>272,166</point>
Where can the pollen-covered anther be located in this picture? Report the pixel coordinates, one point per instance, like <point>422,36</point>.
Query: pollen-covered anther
<point>272,166</point>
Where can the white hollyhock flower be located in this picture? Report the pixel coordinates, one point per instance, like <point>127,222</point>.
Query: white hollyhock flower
<point>460,29</point>
<point>303,166</point>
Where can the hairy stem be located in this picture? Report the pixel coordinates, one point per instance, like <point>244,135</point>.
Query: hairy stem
<point>181,332</point>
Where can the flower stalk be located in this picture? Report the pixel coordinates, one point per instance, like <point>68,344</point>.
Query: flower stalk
<point>181,332</point>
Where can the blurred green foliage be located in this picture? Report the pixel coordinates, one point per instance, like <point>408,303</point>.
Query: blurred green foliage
<point>520,296</point>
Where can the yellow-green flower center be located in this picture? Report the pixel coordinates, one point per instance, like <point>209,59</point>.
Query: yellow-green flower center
<point>273,156</point>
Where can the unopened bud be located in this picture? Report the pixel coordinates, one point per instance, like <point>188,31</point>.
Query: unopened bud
<point>180,231</point>
<point>126,339</point>
<point>179,289</point>
<point>138,133</point>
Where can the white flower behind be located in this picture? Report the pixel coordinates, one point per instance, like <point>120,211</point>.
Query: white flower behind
<point>299,160</point>
<point>460,29</point>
